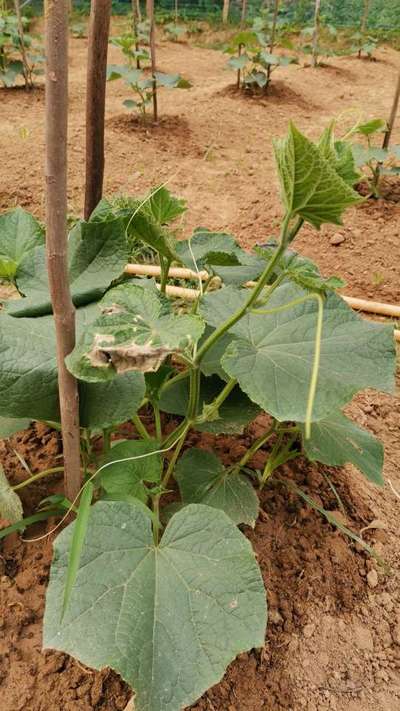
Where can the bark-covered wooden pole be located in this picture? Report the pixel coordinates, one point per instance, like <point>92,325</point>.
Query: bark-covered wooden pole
<point>99,28</point>
<point>244,13</point>
<point>150,17</point>
<point>393,114</point>
<point>56,18</point>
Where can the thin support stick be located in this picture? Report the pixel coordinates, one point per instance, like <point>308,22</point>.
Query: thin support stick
<point>393,114</point>
<point>150,17</point>
<point>99,28</point>
<point>56,14</point>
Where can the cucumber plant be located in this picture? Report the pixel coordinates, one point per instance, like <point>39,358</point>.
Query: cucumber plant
<point>20,54</point>
<point>169,595</point>
<point>375,161</point>
<point>252,55</point>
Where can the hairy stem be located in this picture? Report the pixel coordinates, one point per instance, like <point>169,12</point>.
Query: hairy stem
<point>140,428</point>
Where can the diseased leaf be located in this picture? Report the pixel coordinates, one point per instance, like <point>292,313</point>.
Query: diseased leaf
<point>311,187</point>
<point>336,440</point>
<point>233,416</point>
<point>10,504</point>
<point>203,480</point>
<point>272,354</point>
<point>20,233</point>
<point>136,331</point>
<point>127,478</point>
<point>130,593</point>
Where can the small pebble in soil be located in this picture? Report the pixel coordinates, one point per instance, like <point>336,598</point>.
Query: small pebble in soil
<point>372,578</point>
<point>337,238</point>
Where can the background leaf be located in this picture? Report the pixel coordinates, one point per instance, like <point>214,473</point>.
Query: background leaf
<point>202,479</point>
<point>20,233</point>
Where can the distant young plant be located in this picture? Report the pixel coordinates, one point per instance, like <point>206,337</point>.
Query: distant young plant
<point>320,45</point>
<point>363,45</point>
<point>168,595</point>
<point>133,45</point>
<point>174,31</point>
<point>374,160</point>
<point>20,56</point>
<point>252,54</point>
<point>142,83</point>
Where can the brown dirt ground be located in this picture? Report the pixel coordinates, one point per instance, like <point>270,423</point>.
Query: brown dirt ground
<point>333,641</point>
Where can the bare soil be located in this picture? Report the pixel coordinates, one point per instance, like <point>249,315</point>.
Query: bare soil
<point>333,641</point>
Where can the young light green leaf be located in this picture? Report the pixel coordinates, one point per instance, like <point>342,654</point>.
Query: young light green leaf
<point>336,440</point>
<point>203,480</point>
<point>163,207</point>
<point>239,62</point>
<point>77,542</point>
<point>373,126</point>
<point>128,477</point>
<point>130,592</point>
<point>311,187</point>
<point>20,233</point>
<point>339,154</point>
<point>10,504</point>
<point>272,354</point>
<point>136,332</point>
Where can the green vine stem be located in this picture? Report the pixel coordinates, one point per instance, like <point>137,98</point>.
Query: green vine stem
<point>36,477</point>
<point>140,428</point>
<point>157,420</point>
<point>213,407</point>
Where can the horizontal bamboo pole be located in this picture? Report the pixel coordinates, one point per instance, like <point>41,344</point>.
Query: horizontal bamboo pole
<point>181,292</point>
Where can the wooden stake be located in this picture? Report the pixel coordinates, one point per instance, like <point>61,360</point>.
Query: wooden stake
<point>56,111</point>
<point>244,13</point>
<point>25,62</point>
<point>393,114</point>
<point>315,37</point>
<point>273,35</point>
<point>225,11</point>
<point>99,27</point>
<point>150,17</point>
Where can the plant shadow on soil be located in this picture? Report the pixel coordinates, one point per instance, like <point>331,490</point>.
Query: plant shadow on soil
<point>304,562</point>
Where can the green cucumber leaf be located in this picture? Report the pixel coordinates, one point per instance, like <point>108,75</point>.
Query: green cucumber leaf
<point>136,332</point>
<point>163,207</point>
<point>373,126</point>
<point>234,415</point>
<point>11,425</point>
<point>339,155</point>
<point>202,479</point>
<point>20,233</point>
<point>10,504</point>
<point>97,254</point>
<point>273,354</point>
<point>130,593</point>
<point>207,248</point>
<point>336,441</point>
<point>311,187</point>
<point>28,375</point>
<point>239,62</point>
<point>127,478</point>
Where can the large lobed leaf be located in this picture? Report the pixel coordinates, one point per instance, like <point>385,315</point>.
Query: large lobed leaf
<point>168,618</point>
<point>97,254</point>
<point>272,355</point>
<point>28,375</point>
<point>311,187</point>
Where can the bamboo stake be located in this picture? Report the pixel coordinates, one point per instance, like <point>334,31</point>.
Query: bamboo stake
<point>393,114</point>
<point>273,35</point>
<point>150,17</point>
<point>56,112</point>
<point>99,28</point>
<point>153,270</point>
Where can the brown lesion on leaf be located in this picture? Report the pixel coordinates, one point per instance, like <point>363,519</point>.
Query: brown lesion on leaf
<point>125,358</point>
